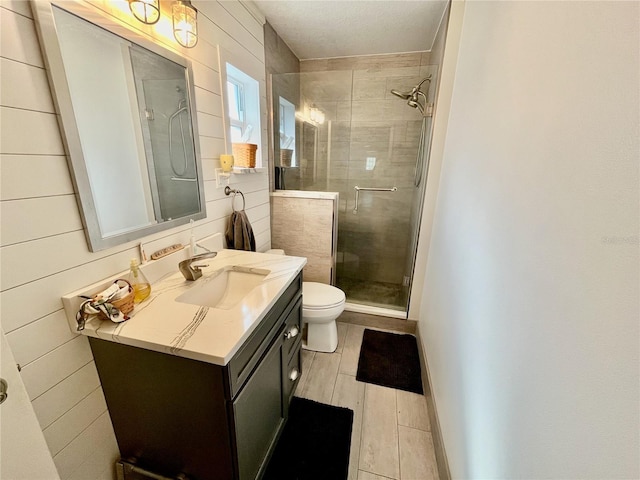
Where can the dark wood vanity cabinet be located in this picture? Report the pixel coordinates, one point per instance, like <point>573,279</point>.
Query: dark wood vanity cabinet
<point>173,415</point>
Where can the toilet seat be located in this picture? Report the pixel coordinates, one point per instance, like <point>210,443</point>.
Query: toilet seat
<point>320,296</point>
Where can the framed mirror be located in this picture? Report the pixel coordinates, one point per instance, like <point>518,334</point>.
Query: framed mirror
<point>127,115</point>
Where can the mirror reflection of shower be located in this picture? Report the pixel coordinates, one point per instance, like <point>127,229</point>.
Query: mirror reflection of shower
<point>416,98</point>
<point>167,125</point>
<point>180,122</point>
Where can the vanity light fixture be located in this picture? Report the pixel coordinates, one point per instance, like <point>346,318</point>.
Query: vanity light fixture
<point>185,23</point>
<point>147,11</point>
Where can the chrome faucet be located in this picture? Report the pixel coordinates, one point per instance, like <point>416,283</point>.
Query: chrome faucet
<point>193,272</point>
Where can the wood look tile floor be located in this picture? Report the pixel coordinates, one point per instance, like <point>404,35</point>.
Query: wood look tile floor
<point>391,436</point>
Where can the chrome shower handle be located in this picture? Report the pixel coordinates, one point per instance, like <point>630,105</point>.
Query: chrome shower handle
<point>370,189</point>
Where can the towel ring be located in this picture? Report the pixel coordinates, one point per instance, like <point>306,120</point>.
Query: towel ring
<point>229,191</point>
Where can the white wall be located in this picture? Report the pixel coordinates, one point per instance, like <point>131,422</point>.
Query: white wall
<point>530,310</point>
<point>43,250</point>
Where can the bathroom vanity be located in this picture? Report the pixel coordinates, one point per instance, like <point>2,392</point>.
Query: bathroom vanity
<point>180,408</point>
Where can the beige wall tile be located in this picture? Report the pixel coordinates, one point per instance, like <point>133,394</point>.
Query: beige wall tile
<point>366,62</point>
<point>317,273</point>
<point>304,227</point>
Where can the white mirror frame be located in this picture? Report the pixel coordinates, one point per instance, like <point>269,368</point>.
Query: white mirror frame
<point>47,33</point>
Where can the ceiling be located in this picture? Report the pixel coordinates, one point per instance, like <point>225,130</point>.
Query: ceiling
<point>337,28</point>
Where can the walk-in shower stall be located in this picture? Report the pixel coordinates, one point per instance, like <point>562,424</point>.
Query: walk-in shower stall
<point>364,134</point>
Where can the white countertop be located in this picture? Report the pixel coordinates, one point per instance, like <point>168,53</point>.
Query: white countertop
<point>202,333</point>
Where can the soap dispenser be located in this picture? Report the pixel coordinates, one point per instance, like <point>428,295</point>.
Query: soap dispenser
<point>140,284</point>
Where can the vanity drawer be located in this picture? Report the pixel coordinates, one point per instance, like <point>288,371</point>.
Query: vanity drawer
<point>245,360</point>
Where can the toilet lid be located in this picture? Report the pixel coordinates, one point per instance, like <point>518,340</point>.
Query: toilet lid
<point>321,295</point>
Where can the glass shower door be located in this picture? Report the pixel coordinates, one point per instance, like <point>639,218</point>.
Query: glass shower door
<point>369,139</point>
<point>372,238</point>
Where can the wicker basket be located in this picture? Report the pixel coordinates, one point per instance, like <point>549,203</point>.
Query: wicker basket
<point>244,154</point>
<point>285,157</point>
<point>124,304</point>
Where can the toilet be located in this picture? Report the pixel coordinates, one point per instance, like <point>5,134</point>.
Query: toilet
<point>321,305</point>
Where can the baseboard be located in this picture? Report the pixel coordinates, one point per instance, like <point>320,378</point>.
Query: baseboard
<point>436,433</point>
<point>375,321</point>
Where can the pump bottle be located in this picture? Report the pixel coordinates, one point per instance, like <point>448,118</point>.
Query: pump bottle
<point>140,284</point>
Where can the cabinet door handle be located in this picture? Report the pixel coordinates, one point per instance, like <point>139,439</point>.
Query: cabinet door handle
<point>293,374</point>
<point>292,332</point>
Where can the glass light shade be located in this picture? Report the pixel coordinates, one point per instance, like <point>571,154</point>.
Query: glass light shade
<point>147,11</point>
<point>185,23</point>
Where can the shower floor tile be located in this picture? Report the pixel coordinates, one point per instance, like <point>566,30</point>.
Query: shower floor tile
<point>377,294</point>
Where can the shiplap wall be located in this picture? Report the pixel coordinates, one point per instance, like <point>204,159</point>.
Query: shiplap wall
<point>43,249</point>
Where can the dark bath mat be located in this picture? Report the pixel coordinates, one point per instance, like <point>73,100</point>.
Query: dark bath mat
<point>314,445</point>
<point>390,360</point>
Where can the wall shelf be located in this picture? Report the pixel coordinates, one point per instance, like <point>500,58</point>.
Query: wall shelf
<point>224,178</point>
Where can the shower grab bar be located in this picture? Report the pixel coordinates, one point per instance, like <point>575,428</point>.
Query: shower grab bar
<point>370,189</point>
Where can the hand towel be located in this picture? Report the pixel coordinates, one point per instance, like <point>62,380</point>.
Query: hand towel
<point>239,234</point>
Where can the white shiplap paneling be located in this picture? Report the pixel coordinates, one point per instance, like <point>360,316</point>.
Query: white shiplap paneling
<point>48,216</point>
<point>48,176</point>
<point>211,147</point>
<point>210,125</point>
<point>62,432</point>
<point>206,77</point>
<point>18,6</point>
<point>45,372</point>
<point>19,78</point>
<point>208,102</point>
<point>18,40</point>
<point>39,337</point>
<point>59,399</point>
<point>76,457</point>
<point>248,21</point>
<point>26,132</point>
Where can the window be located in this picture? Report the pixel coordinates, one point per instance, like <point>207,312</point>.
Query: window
<point>237,117</point>
<point>243,106</point>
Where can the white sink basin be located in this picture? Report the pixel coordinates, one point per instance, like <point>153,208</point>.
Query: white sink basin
<point>224,288</point>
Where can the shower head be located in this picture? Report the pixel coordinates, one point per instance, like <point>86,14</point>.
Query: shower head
<point>413,97</point>
<point>402,95</point>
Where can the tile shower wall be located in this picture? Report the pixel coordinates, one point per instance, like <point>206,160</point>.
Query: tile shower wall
<point>369,138</point>
<point>44,252</point>
<point>305,226</point>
